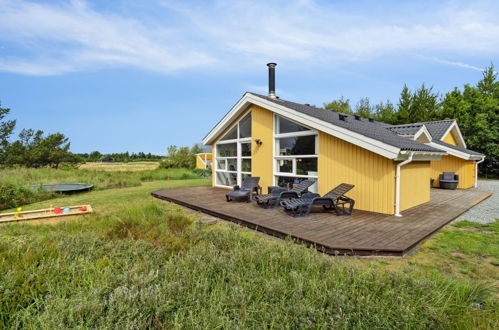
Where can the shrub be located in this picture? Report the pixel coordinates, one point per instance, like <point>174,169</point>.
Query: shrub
<point>182,157</point>
<point>12,195</point>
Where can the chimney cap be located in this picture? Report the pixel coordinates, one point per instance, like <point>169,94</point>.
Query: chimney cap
<point>271,64</point>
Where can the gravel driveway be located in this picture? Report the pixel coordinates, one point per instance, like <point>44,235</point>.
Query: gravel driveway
<point>488,210</point>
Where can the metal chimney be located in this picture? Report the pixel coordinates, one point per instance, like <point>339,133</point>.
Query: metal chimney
<point>272,79</point>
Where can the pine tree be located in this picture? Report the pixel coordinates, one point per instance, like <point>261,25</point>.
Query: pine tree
<point>404,106</point>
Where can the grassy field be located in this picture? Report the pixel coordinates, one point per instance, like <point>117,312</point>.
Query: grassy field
<point>120,167</point>
<point>101,179</point>
<point>140,262</point>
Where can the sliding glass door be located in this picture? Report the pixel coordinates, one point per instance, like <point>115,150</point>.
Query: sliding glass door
<point>296,153</point>
<point>233,154</point>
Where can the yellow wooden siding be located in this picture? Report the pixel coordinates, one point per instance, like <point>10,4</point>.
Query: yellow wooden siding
<point>449,138</point>
<point>372,174</point>
<point>199,162</point>
<point>202,157</point>
<point>464,168</point>
<point>262,155</point>
<point>414,184</point>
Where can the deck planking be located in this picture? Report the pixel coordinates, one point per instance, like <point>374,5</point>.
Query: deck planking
<point>362,233</point>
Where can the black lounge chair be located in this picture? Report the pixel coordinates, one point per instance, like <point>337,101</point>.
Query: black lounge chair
<point>448,180</point>
<point>335,200</point>
<point>246,190</point>
<point>273,199</point>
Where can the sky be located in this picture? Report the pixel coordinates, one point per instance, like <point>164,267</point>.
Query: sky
<point>134,76</point>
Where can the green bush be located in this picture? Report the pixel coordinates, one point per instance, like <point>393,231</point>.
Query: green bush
<point>12,195</point>
<point>182,157</point>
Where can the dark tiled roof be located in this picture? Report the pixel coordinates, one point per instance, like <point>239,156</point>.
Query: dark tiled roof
<point>409,129</point>
<point>470,152</point>
<point>375,130</point>
<point>437,128</point>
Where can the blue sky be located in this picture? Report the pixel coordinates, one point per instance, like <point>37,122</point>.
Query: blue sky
<point>141,75</point>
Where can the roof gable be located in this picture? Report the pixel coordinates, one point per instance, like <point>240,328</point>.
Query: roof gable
<point>370,135</point>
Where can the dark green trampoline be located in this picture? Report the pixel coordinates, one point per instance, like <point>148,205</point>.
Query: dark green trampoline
<point>63,187</point>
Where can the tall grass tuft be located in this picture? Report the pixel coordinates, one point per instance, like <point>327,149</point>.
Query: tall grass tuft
<point>148,266</point>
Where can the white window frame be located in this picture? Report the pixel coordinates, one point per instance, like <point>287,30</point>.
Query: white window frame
<point>293,158</point>
<point>238,141</point>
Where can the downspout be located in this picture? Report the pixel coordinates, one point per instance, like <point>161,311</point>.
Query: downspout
<point>476,171</point>
<point>397,184</point>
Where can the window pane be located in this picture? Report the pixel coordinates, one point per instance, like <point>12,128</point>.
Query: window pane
<point>245,127</point>
<point>226,179</point>
<point>306,166</point>
<point>246,165</point>
<point>283,181</point>
<point>232,165</point>
<point>227,150</point>
<point>246,149</point>
<point>221,164</point>
<point>285,165</point>
<point>300,145</point>
<point>287,126</point>
<point>231,135</point>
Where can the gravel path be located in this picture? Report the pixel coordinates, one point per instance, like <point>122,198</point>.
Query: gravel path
<point>488,210</point>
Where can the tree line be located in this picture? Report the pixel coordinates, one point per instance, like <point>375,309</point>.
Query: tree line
<point>96,156</point>
<point>474,107</point>
<point>33,148</point>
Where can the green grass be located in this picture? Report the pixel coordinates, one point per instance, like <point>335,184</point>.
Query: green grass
<point>13,181</point>
<point>140,262</point>
<point>99,178</point>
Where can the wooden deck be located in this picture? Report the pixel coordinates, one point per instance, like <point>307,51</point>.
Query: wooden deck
<point>362,233</point>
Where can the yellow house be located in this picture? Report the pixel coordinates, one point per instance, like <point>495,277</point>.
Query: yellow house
<point>285,142</point>
<point>204,160</point>
<point>446,136</point>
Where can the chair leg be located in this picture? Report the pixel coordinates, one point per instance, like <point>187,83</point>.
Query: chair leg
<point>275,203</point>
<point>340,208</point>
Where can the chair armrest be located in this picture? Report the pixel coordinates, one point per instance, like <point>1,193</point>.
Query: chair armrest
<point>279,190</point>
<point>288,194</point>
<point>310,195</point>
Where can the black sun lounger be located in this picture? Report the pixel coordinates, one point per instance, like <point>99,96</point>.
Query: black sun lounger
<point>273,199</point>
<point>246,190</point>
<point>333,200</point>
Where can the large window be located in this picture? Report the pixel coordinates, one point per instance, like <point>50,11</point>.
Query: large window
<point>233,154</point>
<point>295,152</point>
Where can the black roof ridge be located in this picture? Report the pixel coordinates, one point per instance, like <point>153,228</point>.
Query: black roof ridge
<point>374,130</point>
<point>318,108</point>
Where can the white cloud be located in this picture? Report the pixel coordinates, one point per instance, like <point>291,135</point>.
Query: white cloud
<point>73,37</point>
<point>180,35</point>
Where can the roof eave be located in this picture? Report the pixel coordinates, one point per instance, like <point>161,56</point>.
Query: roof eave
<point>421,155</point>
<point>456,153</point>
<point>360,140</point>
